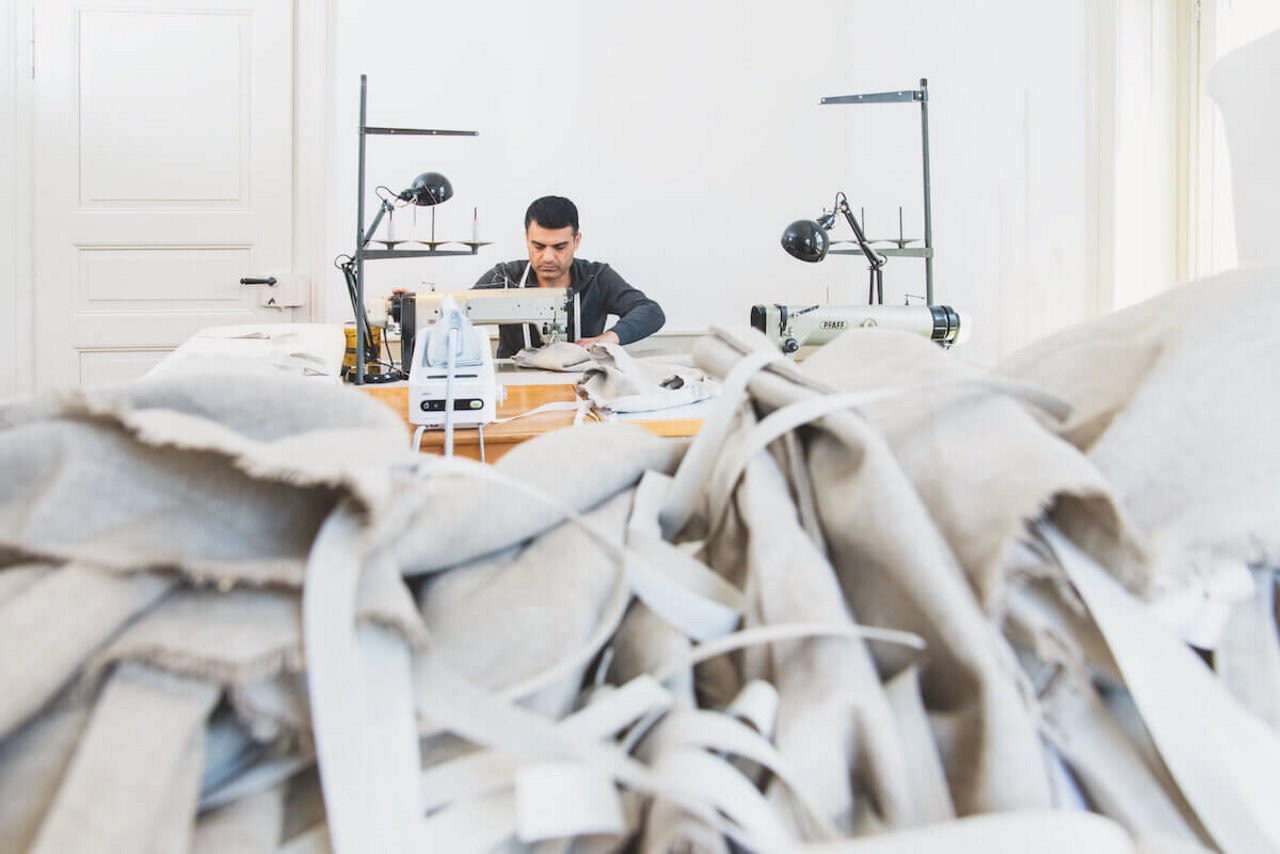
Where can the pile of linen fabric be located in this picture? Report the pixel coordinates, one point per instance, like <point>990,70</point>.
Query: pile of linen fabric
<point>884,600</point>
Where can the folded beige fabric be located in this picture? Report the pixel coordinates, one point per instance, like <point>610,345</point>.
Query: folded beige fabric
<point>508,620</point>
<point>244,642</point>
<point>555,356</point>
<point>265,474</point>
<point>1169,400</point>
<point>447,520</point>
<point>941,429</point>
<point>57,623</point>
<point>235,637</point>
<point>80,471</point>
<point>616,381</point>
<point>18,577</point>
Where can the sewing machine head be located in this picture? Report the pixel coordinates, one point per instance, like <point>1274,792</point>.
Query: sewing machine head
<point>549,309</point>
<point>796,326</point>
<point>546,308</point>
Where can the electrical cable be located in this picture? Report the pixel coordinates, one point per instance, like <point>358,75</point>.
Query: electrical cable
<point>370,352</point>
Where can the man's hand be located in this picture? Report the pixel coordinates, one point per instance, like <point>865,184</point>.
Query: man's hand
<point>609,337</point>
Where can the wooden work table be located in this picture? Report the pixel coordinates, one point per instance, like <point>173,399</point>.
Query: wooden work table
<point>500,438</point>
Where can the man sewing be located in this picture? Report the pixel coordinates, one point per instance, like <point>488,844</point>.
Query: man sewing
<point>552,236</point>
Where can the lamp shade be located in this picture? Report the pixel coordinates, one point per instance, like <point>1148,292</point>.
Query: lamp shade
<point>429,188</point>
<point>806,240</point>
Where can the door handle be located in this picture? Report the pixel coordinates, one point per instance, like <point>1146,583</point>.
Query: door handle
<point>248,280</point>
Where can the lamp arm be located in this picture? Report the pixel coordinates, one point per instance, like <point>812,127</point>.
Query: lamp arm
<point>384,209</point>
<point>876,261</point>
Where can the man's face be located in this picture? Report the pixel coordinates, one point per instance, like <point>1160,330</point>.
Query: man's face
<point>551,251</point>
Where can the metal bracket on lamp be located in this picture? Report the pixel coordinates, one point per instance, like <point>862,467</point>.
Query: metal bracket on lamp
<point>807,240</point>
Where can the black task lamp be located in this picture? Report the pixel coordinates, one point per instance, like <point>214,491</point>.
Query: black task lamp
<point>808,240</point>
<point>427,190</point>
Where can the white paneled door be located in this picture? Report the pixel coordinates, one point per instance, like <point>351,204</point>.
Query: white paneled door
<point>164,176</point>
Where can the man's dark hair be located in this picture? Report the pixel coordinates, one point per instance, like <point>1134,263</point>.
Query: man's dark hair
<point>552,212</point>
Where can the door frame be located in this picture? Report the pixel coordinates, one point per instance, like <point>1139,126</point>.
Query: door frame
<point>16,161</point>
<point>312,108</point>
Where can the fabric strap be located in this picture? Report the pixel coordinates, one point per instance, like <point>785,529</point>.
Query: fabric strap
<point>358,684</point>
<point>1225,761</point>
<point>700,458</point>
<point>728,469</point>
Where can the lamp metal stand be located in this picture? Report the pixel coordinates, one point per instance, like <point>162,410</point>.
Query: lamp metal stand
<point>875,287</point>
<point>908,95</point>
<point>363,253</point>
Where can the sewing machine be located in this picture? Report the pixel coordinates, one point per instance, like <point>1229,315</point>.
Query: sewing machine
<point>549,309</point>
<point>796,326</point>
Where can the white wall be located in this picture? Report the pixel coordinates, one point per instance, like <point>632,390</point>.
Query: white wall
<point>8,196</point>
<point>690,134</point>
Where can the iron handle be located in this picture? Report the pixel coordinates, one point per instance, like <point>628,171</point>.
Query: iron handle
<point>269,280</point>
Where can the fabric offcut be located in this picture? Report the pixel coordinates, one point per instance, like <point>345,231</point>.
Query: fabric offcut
<point>1160,396</point>
<point>616,381</point>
